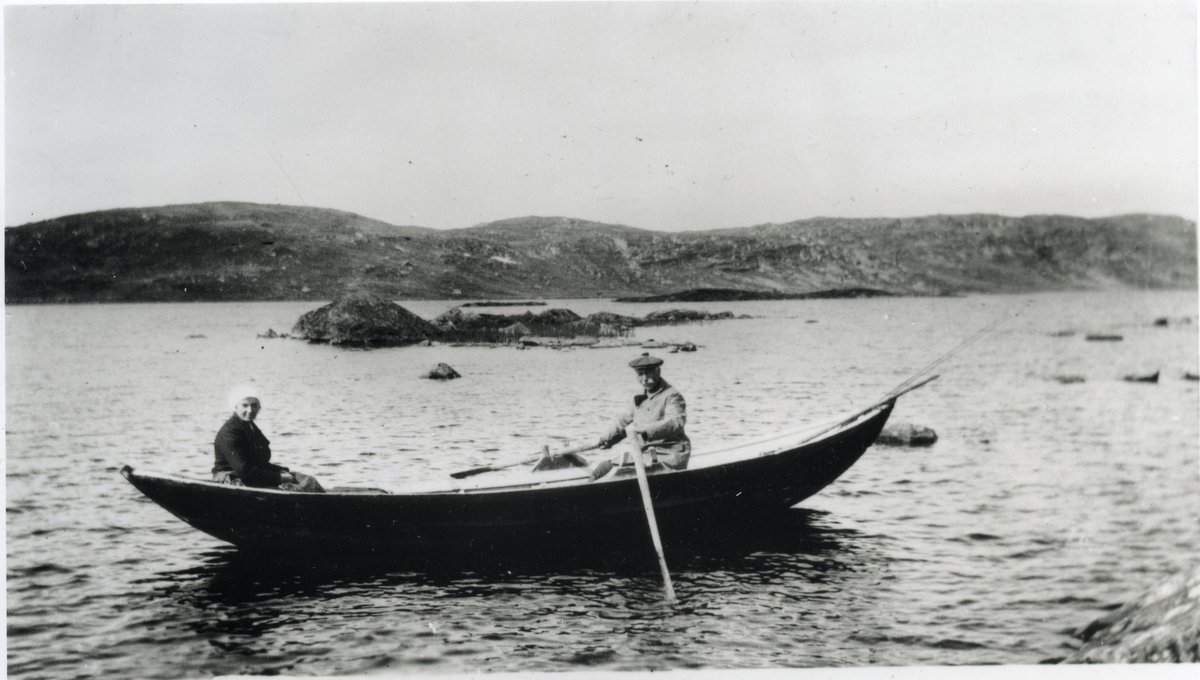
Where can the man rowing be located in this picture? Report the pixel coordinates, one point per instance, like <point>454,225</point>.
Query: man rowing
<point>657,416</point>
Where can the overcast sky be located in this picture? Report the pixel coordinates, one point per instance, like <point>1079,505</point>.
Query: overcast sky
<point>671,116</point>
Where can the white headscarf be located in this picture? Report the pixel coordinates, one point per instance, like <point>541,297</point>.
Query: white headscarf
<point>237,394</point>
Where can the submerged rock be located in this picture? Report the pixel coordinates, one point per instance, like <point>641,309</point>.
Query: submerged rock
<point>366,320</point>
<point>442,372</point>
<point>1069,379</point>
<point>1161,626</point>
<point>1150,378</point>
<point>905,434</point>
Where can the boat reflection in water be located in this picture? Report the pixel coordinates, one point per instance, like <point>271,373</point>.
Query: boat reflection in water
<point>568,608</point>
<point>771,550</point>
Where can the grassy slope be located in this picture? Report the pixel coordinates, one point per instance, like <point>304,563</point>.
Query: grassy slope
<point>241,251</point>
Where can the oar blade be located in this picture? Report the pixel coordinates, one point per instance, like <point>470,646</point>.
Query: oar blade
<point>469,473</point>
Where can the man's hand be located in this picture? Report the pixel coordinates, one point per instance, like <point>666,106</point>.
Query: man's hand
<point>287,478</point>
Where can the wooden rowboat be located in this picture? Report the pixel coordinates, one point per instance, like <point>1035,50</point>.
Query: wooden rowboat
<point>557,510</point>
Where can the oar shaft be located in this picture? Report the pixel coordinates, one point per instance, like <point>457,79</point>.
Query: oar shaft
<point>635,446</point>
<point>492,468</point>
<point>576,449</point>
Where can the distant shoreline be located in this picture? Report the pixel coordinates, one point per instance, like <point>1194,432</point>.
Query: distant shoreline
<point>681,297</point>
<point>505,303</point>
<point>735,295</point>
<point>228,251</point>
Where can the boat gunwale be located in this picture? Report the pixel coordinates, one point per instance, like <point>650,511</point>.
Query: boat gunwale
<point>569,478</point>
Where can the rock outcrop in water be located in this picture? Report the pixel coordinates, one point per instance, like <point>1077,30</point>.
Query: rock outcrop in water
<point>363,320</point>
<point>906,434</point>
<point>1161,626</point>
<point>671,316</point>
<point>442,372</point>
<point>464,320</point>
<point>464,325</point>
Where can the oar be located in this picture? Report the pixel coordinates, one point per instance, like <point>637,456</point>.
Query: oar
<point>527,461</point>
<point>635,450</point>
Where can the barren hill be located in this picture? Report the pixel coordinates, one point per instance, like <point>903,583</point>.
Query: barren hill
<point>244,251</point>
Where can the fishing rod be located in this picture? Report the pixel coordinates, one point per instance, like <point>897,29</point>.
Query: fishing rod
<point>918,379</point>
<point>901,388</point>
<point>914,381</point>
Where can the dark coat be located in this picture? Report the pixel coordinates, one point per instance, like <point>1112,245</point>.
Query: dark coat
<point>242,448</point>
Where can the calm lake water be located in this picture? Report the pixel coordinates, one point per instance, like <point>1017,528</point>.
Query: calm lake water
<point>1042,503</point>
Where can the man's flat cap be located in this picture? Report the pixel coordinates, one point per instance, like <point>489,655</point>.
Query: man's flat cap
<point>645,362</point>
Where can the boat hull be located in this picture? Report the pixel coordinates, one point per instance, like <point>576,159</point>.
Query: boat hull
<point>574,516</point>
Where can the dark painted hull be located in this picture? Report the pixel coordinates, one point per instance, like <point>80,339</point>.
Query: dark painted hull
<point>571,515</point>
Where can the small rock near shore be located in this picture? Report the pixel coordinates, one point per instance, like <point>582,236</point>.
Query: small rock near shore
<point>442,372</point>
<point>906,434</point>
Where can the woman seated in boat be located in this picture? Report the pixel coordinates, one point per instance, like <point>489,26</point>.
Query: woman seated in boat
<point>657,416</point>
<point>243,453</point>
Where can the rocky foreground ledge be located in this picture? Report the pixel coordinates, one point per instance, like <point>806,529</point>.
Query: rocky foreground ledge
<point>1161,626</point>
<point>368,321</point>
